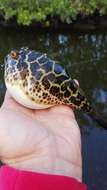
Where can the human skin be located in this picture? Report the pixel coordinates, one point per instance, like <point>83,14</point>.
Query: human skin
<point>46,141</point>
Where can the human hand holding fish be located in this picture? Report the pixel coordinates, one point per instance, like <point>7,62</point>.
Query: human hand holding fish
<point>46,141</point>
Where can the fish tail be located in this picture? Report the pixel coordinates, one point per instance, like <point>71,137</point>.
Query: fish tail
<point>98,118</point>
<point>81,103</point>
<point>87,108</point>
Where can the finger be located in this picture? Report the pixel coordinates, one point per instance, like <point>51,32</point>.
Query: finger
<point>7,95</point>
<point>63,109</point>
<point>7,99</point>
<point>10,103</point>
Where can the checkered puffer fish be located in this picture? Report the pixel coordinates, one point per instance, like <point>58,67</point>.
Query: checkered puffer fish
<point>37,82</point>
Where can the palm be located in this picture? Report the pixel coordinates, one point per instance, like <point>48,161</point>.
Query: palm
<point>38,139</point>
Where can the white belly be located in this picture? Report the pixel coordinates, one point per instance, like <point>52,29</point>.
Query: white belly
<point>22,98</point>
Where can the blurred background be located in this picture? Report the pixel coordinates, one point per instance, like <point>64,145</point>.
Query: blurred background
<point>74,33</point>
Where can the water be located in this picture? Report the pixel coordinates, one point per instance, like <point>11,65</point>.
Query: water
<point>85,58</point>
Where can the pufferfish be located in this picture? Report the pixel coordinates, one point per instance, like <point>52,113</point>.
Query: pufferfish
<point>38,82</point>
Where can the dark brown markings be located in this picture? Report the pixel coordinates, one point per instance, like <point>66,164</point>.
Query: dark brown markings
<point>32,99</point>
<point>67,94</point>
<point>75,101</point>
<point>25,83</point>
<point>54,90</point>
<point>48,98</point>
<point>61,79</point>
<point>66,101</point>
<point>15,78</point>
<point>86,107</point>
<point>45,83</point>
<point>39,89</point>
<point>64,86</point>
<point>59,96</point>
<point>34,89</point>
<point>32,80</point>
<point>27,93</point>
<point>72,86</point>
<point>51,77</point>
<point>80,97</point>
<point>23,74</point>
<point>45,95</point>
<point>45,102</point>
<point>36,84</point>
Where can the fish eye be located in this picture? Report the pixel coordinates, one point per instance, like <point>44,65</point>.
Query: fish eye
<point>14,54</point>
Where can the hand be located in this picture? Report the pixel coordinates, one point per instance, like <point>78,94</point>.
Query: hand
<point>46,141</point>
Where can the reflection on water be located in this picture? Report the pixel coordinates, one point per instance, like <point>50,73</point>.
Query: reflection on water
<point>84,57</point>
<point>100,96</point>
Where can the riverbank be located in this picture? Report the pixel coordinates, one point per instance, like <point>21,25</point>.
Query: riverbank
<point>88,23</point>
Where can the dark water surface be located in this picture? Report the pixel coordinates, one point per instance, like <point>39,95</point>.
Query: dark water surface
<point>85,58</point>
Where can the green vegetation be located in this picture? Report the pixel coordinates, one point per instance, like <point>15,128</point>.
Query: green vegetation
<point>27,11</point>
